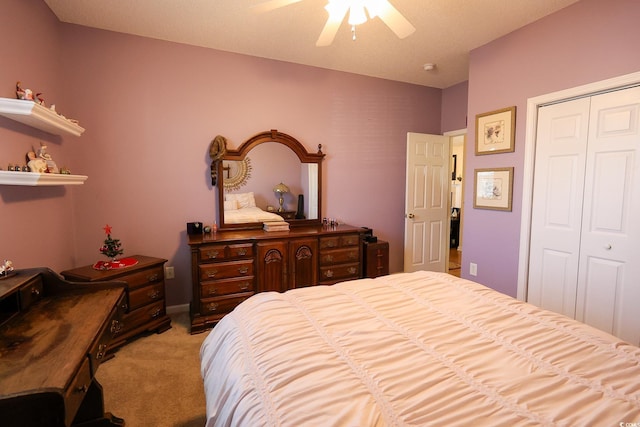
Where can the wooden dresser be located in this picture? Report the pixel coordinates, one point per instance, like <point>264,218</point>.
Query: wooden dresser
<point>228,267</point>
<point>145,307</point>
<point>53,336</point>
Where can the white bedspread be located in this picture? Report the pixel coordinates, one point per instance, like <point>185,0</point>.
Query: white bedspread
<point>249,214</point>
<point>419,349</point>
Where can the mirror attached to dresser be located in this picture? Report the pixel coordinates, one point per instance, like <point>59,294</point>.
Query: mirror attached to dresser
<point>270,177</point>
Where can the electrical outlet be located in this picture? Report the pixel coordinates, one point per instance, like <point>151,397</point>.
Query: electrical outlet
<point>473,269</point>
<point>169,273</point>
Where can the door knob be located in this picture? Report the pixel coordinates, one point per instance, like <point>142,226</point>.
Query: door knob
<point>411,216</point>
<point>608,247</point>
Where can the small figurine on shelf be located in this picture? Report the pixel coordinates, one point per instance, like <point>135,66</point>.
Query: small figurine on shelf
<point>111,247</point>
<point>39,99</point>
<point>6,268</point>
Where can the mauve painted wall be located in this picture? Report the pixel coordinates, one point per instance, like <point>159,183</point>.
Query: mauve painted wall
<point>150,109</point>
<point>36,223</point>
<point>589,41</point>
<point>454,107</point>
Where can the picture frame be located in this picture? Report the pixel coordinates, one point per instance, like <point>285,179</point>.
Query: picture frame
<point>493,188</point>
<point>496,131</point>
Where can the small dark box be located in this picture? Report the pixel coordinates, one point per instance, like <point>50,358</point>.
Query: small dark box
<point>194,228</point>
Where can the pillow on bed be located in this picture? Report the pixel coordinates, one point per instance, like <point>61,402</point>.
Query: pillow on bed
<point>230,205</point>
<point>244,200</point>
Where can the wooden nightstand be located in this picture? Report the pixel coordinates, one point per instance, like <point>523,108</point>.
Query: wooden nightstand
<point>286,214</point>
<point>376,259</point>
<point>145,306</point>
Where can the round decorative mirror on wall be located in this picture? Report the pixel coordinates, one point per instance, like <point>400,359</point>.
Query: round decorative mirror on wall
<point>236,173</point>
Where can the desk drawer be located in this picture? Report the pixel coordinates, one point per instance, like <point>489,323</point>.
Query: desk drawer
<point>76,392</point>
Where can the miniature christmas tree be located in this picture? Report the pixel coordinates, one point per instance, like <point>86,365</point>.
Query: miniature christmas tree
<point>111,247</point>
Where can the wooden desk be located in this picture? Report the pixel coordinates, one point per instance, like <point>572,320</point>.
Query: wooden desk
<point>53,336</point>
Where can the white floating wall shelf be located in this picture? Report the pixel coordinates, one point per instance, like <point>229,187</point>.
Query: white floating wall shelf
<point>37,116</point>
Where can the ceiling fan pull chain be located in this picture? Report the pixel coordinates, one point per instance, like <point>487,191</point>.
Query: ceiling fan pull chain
<point>353,32</point>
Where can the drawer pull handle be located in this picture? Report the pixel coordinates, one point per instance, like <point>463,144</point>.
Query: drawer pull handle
<point>244,286</point>
<point>331,244</point>
<point>329,258</point>
<point>101,350</point>
<point>211,273</point>
<point>124,306</point>
<point>328,273</point>
<point>156,313</point>
<point>243,270</point>
<point>212,306</point>
<point>82,389</point>
<point>352,270</point>
<point>242,252</point>
<point>116,327</point>
<point>154,294</point>
<point>213,254</point>
<point>153,278</point>
<point>353,255</point>
<point>35,292</point>
<point>213,291</point>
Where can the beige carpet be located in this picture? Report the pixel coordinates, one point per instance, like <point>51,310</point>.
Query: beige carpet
<point>155,380</point>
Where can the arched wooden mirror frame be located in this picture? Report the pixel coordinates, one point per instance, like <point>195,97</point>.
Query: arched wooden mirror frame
<point>241,152</point>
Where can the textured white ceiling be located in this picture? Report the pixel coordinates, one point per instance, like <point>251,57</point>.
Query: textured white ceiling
<point>446,31</point>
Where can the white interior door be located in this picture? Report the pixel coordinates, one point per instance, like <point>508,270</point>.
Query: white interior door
<point>609,270</point>
<point>427,212</point>
<point>584,234</point>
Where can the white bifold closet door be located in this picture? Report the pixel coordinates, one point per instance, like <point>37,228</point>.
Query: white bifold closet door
<point>585,226</point>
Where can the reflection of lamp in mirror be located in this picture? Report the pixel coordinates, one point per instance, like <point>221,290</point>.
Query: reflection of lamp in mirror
<point>281,190</point>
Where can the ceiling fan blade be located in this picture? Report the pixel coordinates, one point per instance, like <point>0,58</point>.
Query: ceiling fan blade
<point>337,13</point>
<point>268,6</point>
<point>394,19</point>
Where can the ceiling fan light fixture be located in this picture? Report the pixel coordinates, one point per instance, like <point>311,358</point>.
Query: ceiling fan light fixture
<point>357,14</point>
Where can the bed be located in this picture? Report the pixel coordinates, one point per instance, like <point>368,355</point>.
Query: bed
<point>419,349</point>
<point>241,208</point>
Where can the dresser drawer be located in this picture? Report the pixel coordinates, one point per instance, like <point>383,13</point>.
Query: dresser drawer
<point>225,252</point>
<point>226,270</point>
<point>339,272</point>
<point>141,316</point>
<point>340,256</point>
<point>74,395</point>
<point>146,295</point>
<point>222,304</point>
<point>333,242</point>
<point>227,287</point>
<point>144,277</point>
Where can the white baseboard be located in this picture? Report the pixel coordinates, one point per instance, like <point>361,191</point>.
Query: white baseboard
<point>174,309</point>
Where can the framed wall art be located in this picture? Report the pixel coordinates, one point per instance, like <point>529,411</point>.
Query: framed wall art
<point>493,189</point>
<point>496,131</point>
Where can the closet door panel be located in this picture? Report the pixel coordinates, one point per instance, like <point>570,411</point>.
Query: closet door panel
<point>557,205</point>
<point>609,267</point>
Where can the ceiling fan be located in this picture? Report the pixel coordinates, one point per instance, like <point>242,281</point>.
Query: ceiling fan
<point>358,11</point>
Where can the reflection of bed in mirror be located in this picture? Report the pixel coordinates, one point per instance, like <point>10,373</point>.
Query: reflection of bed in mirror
<point>275,158</point>
<point>240,208</point>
